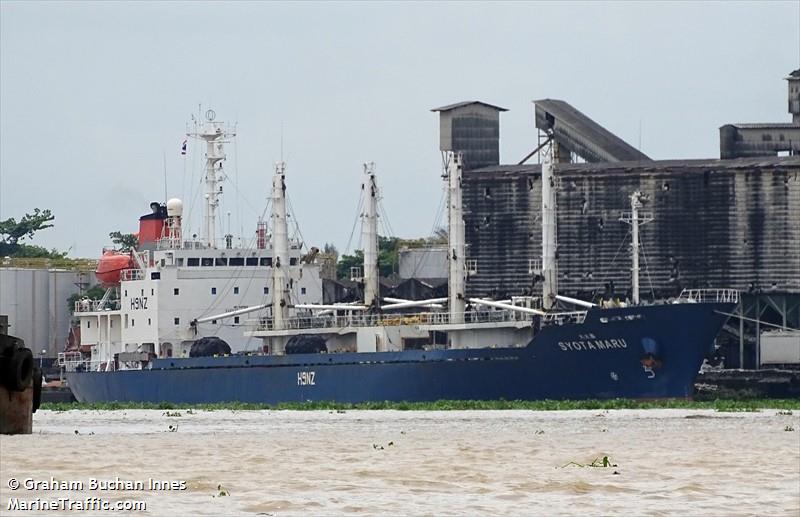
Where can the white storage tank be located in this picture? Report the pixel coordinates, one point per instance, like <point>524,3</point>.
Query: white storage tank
<point>780,347</point>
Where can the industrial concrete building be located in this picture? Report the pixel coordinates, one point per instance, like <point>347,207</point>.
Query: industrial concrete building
<point>428,262</point>
<point>765,139</point>
<point>35,301</point>
<point>716,223</point>
<point>581,136</point>
<point>473,128</point>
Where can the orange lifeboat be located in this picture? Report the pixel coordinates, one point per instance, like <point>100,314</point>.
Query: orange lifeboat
<point>110,267</point>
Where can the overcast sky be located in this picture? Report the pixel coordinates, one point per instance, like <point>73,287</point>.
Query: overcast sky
<point>93,94</point>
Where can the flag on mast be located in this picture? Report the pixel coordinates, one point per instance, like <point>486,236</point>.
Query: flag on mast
<point>183,147</point>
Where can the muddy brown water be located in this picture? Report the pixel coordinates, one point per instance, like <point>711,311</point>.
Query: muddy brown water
<point>661,462</point>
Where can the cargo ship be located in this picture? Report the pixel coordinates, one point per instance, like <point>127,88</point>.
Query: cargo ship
<point>201,321</point>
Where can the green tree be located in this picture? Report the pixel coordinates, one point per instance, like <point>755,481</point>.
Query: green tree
<point>348,261</point>
<point>13,231</point>
<point>33,251</point>
<point>124,241</point>
<point>388,248</point>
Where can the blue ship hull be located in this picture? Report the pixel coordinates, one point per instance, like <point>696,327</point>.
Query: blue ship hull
<point>603,357</point>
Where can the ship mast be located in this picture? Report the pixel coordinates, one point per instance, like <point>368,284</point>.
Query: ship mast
<point>280,256</point>
<point>635,218</point>
<point>456,301</point>
<point>369,235</point>
<point>215,136</point>
<point>549,264</point>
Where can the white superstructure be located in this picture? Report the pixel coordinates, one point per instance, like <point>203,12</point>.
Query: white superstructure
<point>369,235</point>
<point>549,263</point>
<point>635,218</point>
<point>178,290</point>
<point>215,135</point>
<point>457,279</point>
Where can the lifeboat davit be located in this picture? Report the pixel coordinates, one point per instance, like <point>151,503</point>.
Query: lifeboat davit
<point>110,267</point>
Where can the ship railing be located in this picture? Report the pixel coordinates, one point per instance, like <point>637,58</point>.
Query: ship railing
<point>560,318</point>
<point>74,362</point>
<point>68,357</point>
<point>131,274</point>
<point>168,243</point>
<point>708,296</point>
<point>479,316</point>
<point>87,305</point>
<point>194,245</point>
<point>388,320</point>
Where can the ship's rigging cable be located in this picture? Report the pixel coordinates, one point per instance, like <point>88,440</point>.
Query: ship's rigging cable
<point>266,209</point>
<point>318,280</point>
<point>436,224</point>
<point>355,222</point>
<point>445,162</point>
<point>230,282</point>
<point>437,220</point>
<point>387,225</point>
<point>239,196</point>
<point>183,177</point>
<point>647,270</point>
<point>604,279</point>
<point>192,184</point>
<point>250,246</point>
<point>297,232</point>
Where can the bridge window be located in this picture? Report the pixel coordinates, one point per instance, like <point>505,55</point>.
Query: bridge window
<point>156,275</point>
<point>193,262</point>
<point>252,261</point>
<point>220,261</point>
<point>266,261</point>
<point>293,261</point>
<point>207,261</point>
<point>236,261</point>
